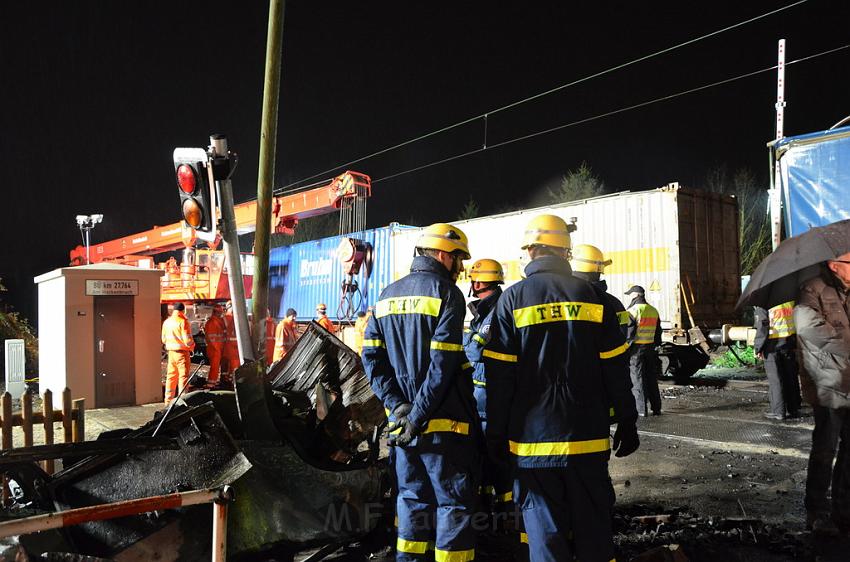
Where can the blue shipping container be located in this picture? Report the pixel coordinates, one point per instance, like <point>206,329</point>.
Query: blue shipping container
<point>306,274</point>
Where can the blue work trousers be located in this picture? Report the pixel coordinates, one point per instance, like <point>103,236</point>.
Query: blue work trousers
<point>567,511</point>
<point>436,498</point>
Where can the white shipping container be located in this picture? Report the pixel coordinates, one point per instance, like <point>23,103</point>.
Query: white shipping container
<point>675,242</point>
<point>680,244</point>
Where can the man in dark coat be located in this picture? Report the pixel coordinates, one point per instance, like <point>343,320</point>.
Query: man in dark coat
<point>822,319</point>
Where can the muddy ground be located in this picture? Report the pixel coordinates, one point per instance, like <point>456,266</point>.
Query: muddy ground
<point>727,482</point>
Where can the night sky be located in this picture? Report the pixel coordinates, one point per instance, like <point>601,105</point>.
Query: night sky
<point>96,95</point>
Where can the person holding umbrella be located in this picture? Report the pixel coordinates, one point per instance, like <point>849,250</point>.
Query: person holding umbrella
<point>822,316</point>
<point>813,269</point>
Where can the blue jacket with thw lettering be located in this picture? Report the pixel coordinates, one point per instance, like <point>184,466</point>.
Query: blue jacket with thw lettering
<point>474,341</point>
<point>556,362</point>
<point>413,352</point>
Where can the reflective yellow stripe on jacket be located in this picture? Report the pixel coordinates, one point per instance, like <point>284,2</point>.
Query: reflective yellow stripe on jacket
<point>499,356</point>
<point>782,321</point>
<point>429,306</point>
<point>439,425</point>
<point>446,346</point>
<point>558,312</point>
<point>614,352</point>
<point>559,448</point>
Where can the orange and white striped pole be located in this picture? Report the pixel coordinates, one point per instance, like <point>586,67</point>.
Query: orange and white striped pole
<point>218,497</point>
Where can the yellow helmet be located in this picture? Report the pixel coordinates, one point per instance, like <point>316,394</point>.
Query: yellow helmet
<point>588,259</point>
<point>487,271</point>
<point>445,237</point>
<point>547,230</point>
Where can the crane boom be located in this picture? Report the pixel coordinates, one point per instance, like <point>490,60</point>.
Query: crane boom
<point>287,210</point>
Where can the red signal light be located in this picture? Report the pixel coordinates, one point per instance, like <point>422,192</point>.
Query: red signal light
<point>186,178</point>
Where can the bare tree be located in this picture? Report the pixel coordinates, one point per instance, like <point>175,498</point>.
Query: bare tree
<point>753,220</point>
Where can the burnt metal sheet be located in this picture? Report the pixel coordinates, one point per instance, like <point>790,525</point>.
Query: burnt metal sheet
<point>208,457</point>
<point>285,500</point>
<point>323,379</point>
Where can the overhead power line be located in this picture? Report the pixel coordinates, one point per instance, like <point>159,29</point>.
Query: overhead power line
<point>606,114</point>
<point>540,95</point>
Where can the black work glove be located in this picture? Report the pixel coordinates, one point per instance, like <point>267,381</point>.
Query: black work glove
<point>626,440</point>
<point>408,432</point>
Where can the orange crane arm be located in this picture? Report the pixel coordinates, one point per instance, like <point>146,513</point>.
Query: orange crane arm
<point>287,210</point>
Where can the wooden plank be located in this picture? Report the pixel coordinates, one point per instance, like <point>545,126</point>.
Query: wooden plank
<point>47,415</point>
<point>66,414</point>
<point>79,426</point>
<point>26,417</point>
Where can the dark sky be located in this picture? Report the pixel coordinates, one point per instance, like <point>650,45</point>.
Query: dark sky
<point>96,95</point>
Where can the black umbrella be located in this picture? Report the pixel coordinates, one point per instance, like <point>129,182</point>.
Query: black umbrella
<point>778,277</point>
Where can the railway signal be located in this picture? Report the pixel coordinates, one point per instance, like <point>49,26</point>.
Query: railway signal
<point>197,192</point>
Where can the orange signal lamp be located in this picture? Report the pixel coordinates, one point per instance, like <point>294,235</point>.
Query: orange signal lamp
<point>192,213</point>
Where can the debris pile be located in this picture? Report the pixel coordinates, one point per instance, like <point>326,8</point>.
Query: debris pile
<point>640,529</point>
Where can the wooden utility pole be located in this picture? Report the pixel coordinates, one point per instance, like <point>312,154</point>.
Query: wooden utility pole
<point>265,179</point>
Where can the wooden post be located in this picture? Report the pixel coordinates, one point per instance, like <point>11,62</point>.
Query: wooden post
<point>47,410</point>
<point>6,439</point>
<point>26,417</point>
<point>79,420</point>
<point>66,414</point>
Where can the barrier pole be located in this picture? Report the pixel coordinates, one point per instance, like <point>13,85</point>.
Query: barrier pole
<point>106,511</point>
<point>219,530</point>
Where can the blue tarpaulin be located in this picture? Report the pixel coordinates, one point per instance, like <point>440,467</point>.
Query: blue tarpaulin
<point>815,178</point>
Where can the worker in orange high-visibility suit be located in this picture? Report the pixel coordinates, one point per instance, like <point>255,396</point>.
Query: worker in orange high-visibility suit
<point>215,333</point>
<point>285,335</point>
<point>177,338</point>
<point>360,328</point>
<point>270,326</point>
<point>231,347</point>
<point>322,318</point>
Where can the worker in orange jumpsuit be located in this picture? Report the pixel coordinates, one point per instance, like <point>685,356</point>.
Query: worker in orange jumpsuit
<point>270,326</point>
<point>177,339</point>
<point>360,329</point>
<point>285,335</point>
<point>322,318</point>
<point>215,333</point>
<point>231,347</point>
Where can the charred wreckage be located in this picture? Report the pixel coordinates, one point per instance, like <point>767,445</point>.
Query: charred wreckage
<point>300,455</point>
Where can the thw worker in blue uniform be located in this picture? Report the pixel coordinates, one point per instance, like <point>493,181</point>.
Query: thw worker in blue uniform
<point>556,362</point>
<point>413,356</point>
<point>485,276</point>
